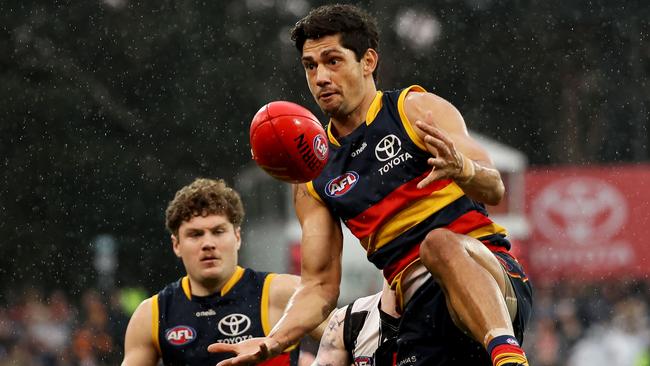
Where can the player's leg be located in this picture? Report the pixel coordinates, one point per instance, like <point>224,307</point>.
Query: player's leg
<point>475,287</point>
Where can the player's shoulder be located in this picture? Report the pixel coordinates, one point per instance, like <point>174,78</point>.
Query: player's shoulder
<point>446,115</point>
<point>338,314</point>
<point>142,313</point>
<point>147,303</point>
<point>284,281</point>
<point>366,303</point>
<point>282,286</point>
<point>421,101</point>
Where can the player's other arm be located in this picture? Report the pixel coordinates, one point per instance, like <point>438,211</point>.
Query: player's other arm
<point>316,294</point>
<point>283,287</point>
<point>456,154</point>
<point>331,350</point>
<point>320,276</point>
<point>139,349</point>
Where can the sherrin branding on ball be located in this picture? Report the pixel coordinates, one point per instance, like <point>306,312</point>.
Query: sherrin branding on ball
<point>288,142</point>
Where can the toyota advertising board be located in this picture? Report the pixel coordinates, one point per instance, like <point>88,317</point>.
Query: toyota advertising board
<point>589,223</point>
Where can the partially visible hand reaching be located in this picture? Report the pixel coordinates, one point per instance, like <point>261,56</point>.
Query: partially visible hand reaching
<point>249,352</point>
<point>447,162</point>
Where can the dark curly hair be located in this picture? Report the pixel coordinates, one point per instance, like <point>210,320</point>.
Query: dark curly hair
<point>357,28</point>
<point>204,197</point>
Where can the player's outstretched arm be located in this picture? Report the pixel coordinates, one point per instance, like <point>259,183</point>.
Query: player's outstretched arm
<point>139,349</point>
<point>317,333</point>
<point>283,287</point>
<point>456,155</point>
<point>317,293</point>
<point>332,349</point>
<point>320,277</point>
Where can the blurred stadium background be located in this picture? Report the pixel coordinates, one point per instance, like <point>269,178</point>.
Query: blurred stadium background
<point>109,106</point>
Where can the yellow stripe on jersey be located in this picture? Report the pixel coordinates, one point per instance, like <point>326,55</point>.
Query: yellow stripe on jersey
<point>405,121</point>
<point>413,215</point>
<point>239,272</point>
<point>486,230</point>
<point>291,348</point>
<point>330,135</point>
<point>187,287</point>
<point>154,324</point>
<point>187,290</point>
<point>397,286</point>
<point>312,191</point>
<point>264,304</point>
<point>375,107</point>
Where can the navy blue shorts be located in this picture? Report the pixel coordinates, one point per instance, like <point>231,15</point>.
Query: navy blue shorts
<point>428,336</point>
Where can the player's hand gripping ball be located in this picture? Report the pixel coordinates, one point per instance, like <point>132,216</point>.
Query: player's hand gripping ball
<point>288,142</point>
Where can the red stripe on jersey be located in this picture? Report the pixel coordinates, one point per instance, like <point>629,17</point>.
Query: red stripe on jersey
<point>494,248</point>
<point>466,223</point>
<point>469,221</point>
<point>369,220</point>
<point>393,269</point>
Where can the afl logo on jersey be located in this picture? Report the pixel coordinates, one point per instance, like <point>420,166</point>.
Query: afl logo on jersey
<point>341,184</point>
<point>320,147</point>
<point>234,324</point>
<point>180,335</point>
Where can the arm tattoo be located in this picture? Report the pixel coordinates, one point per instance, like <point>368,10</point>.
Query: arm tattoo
<point>331,351</point>
<point>299,191</point>
<point>335,323</point>
<point>329,336</point>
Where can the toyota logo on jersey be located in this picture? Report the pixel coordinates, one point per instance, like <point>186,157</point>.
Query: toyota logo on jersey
<point>234,324</point>
<point>341,184</point>
<point>180,335</point>
<point>388,148</point>
<point>389,151</point>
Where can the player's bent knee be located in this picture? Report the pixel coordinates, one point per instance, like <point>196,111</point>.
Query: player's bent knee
<point>439,248</point>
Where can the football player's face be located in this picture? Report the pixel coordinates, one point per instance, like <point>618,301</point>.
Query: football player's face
<point>334,75</point>
<point>208,247</point>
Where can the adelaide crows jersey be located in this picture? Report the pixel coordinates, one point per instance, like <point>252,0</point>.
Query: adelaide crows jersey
<point>185,325</point>
<point>370,180</point>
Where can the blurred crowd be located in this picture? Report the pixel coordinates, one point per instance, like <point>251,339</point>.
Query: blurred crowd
<point>575,324</point>
<point>49,329</point>
<point>598,324</point>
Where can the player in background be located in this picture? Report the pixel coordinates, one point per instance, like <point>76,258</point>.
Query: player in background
<point>410,182</point>
<point>216,300</point>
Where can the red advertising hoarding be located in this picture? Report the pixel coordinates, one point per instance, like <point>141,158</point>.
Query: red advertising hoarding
<point>589,223</point>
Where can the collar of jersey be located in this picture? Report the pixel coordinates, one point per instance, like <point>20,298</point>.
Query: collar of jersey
<point>374,109</point>
<point>239,272</point>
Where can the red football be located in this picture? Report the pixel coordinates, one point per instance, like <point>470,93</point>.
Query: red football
<point>288,142</point>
